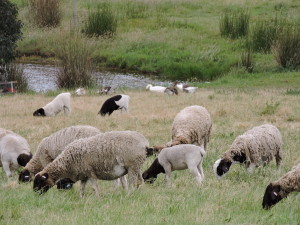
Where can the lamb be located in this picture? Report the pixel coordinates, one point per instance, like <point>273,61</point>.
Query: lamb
<point>106,156</point>
<point>114,103</point>
<point>59,103</point>
<point>253,148</point>
<point>192,125</point>
<point>158,89</point>
<point>14,151</point>
<point>281,188</point>
<point>52,146</point>
<point>178,157</point>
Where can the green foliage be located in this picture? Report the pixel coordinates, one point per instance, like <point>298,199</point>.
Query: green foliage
<point>291,91</point>
<point>134,9</point>
<point>75,62</point>
<point>100,22</point>
<point>45,13</point>
<point>10,31</point>
<point>234,24</point>
<point>270,109</point>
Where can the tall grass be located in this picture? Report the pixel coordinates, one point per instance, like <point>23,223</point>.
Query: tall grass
<point>234,24</point>
<point>14,72</point>
<point>45,13</point>
<point>247,60</point>
<point>75,63</point>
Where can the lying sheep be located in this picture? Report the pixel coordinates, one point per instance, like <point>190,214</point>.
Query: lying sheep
<point>59,103</point>
<point>106,156</point>
<point>115,103</point>
<point>52,146</point>
<point>281,188</point>
<point>192,125</point>
<point>158,89</point>
<point>253,148</point>
<point>80,92</point>
<point>179,157</point>
<point>14,151</point>
<point>171,91</point>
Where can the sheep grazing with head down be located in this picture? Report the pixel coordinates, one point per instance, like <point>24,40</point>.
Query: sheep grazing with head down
<point>281,188</point>
<point>253,148</point>
<point>158,89</point>
<point>61,102</point>
<point>106,156</point>
<point>192,125</point>
<point>14,151</point>
<point>52,146</point>
<point>178,157</point>
<point>115,103</point>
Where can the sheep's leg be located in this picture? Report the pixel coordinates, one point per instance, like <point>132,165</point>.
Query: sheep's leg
<point>168,170</point>
<point>251,167</point>
<point>117,182</point>
<point>200,168</point>
<point>140,179</point>
<point>132,177</point>
<point>95,186</point>
<point>124,182</point>
<point>82,187</point>
<point>194,170</point>
<point>278,159</point>
<point>6,168</point>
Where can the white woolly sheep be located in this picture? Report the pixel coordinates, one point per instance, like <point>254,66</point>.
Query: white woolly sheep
<point>158,89</point>
<point>281,188</point>
<point>59,103</point>
<point>179,157</point>
<point>14,151</point>
<point>106,156</point>
<point>52,146</point>
<point>115,103</point>
<point>253,148</point>
<point>80,92</point>
<point>190,89</point>
<point>180,85</point>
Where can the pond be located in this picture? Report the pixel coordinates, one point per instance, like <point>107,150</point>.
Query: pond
<point>41,78</point>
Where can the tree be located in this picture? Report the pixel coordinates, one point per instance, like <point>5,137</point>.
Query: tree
<point>10,31</point>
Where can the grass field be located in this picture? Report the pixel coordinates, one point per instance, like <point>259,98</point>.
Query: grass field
<point>236,199</point>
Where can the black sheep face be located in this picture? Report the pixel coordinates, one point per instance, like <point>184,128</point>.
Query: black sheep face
<point>39,112</point>
<point>24,176</point>
<point>149,178</point>
<point>221,167</point>
<point>271,196</point>
<point>64,184</point>
<point>240,158</point>
<point>42,183</point>
<point>23,159</point>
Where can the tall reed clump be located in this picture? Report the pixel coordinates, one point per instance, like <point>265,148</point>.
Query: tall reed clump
<point>100,22</point>
<point>234,24</point>
<point>287,48</point>
<point>75,63</point>
<point>247,60</point>
<point>14,72</point>
<point>45,13</point>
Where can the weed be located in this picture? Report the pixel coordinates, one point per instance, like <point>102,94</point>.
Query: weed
<point>292,92</point>
<point>270,109</point>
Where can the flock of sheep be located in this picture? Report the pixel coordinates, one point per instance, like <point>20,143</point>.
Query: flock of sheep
<point>83,153</point>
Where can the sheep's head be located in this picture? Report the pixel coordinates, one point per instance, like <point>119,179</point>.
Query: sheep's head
<point>239,157</point>
<point>23,159</point>
<point>272,196</point>
<point>39,112</point>
<point>24,176</point>
<point>221,167</point>
<point>64,183</point>
<point>42,183</point>
<point>150,174</point>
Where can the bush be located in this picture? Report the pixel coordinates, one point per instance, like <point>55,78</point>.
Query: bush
<point>101,22</point>
<point>75,66</point>
<point>234,24</point>
<point>45,13</point>
<point>14,72</point>
<point>286,49</point>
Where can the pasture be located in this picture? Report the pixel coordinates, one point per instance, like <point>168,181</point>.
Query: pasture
<point>236,199</point>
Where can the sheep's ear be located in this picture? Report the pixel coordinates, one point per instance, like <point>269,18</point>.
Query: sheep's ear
<point>275,192</point>
<point>45,176</point>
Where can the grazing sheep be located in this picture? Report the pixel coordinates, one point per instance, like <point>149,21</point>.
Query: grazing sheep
<point>190,89</point>
<point>253,148</point>
<point>171,91</point>
<point>80,92</point>
<point>106,156</point>
<point>178,157</point>
<point>107,90</point>
<point>114,103</point>
<point>180,86</point>
<point>281,188</point>
<point>52,146</point>
<point>59,103</point>
<point>158,89</point>
<point>14,151</point>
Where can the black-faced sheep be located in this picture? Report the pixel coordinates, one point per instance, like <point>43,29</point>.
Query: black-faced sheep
<point>179,157</point>
<point>14,151</point>
<point>52,146</point>
<point>281,188</point>
<point>253,148</point>
<point>115,103</point>
<point>59,103</point>
<point>106,156</point>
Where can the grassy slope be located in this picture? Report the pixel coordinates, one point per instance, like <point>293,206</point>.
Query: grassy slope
<point>236,199</point>
<point>179,39</point>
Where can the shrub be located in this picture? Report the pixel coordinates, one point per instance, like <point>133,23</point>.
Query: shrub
<point>75,66</point>
<point>234,24</point>
<point>100,22</point>
<point>286,49</point>
<point>45,13</point>
<point>14,72</point>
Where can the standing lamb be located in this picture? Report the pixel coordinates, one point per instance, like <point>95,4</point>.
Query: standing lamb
<point>114,103</point>
<point>14,151</point>
<point>52,146</point>
<point>59,103</point>
<point>281,188</point>
<point>106,156</point>
<point>253,148</point>
<point>178,157</point>
<point>192,125</point>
